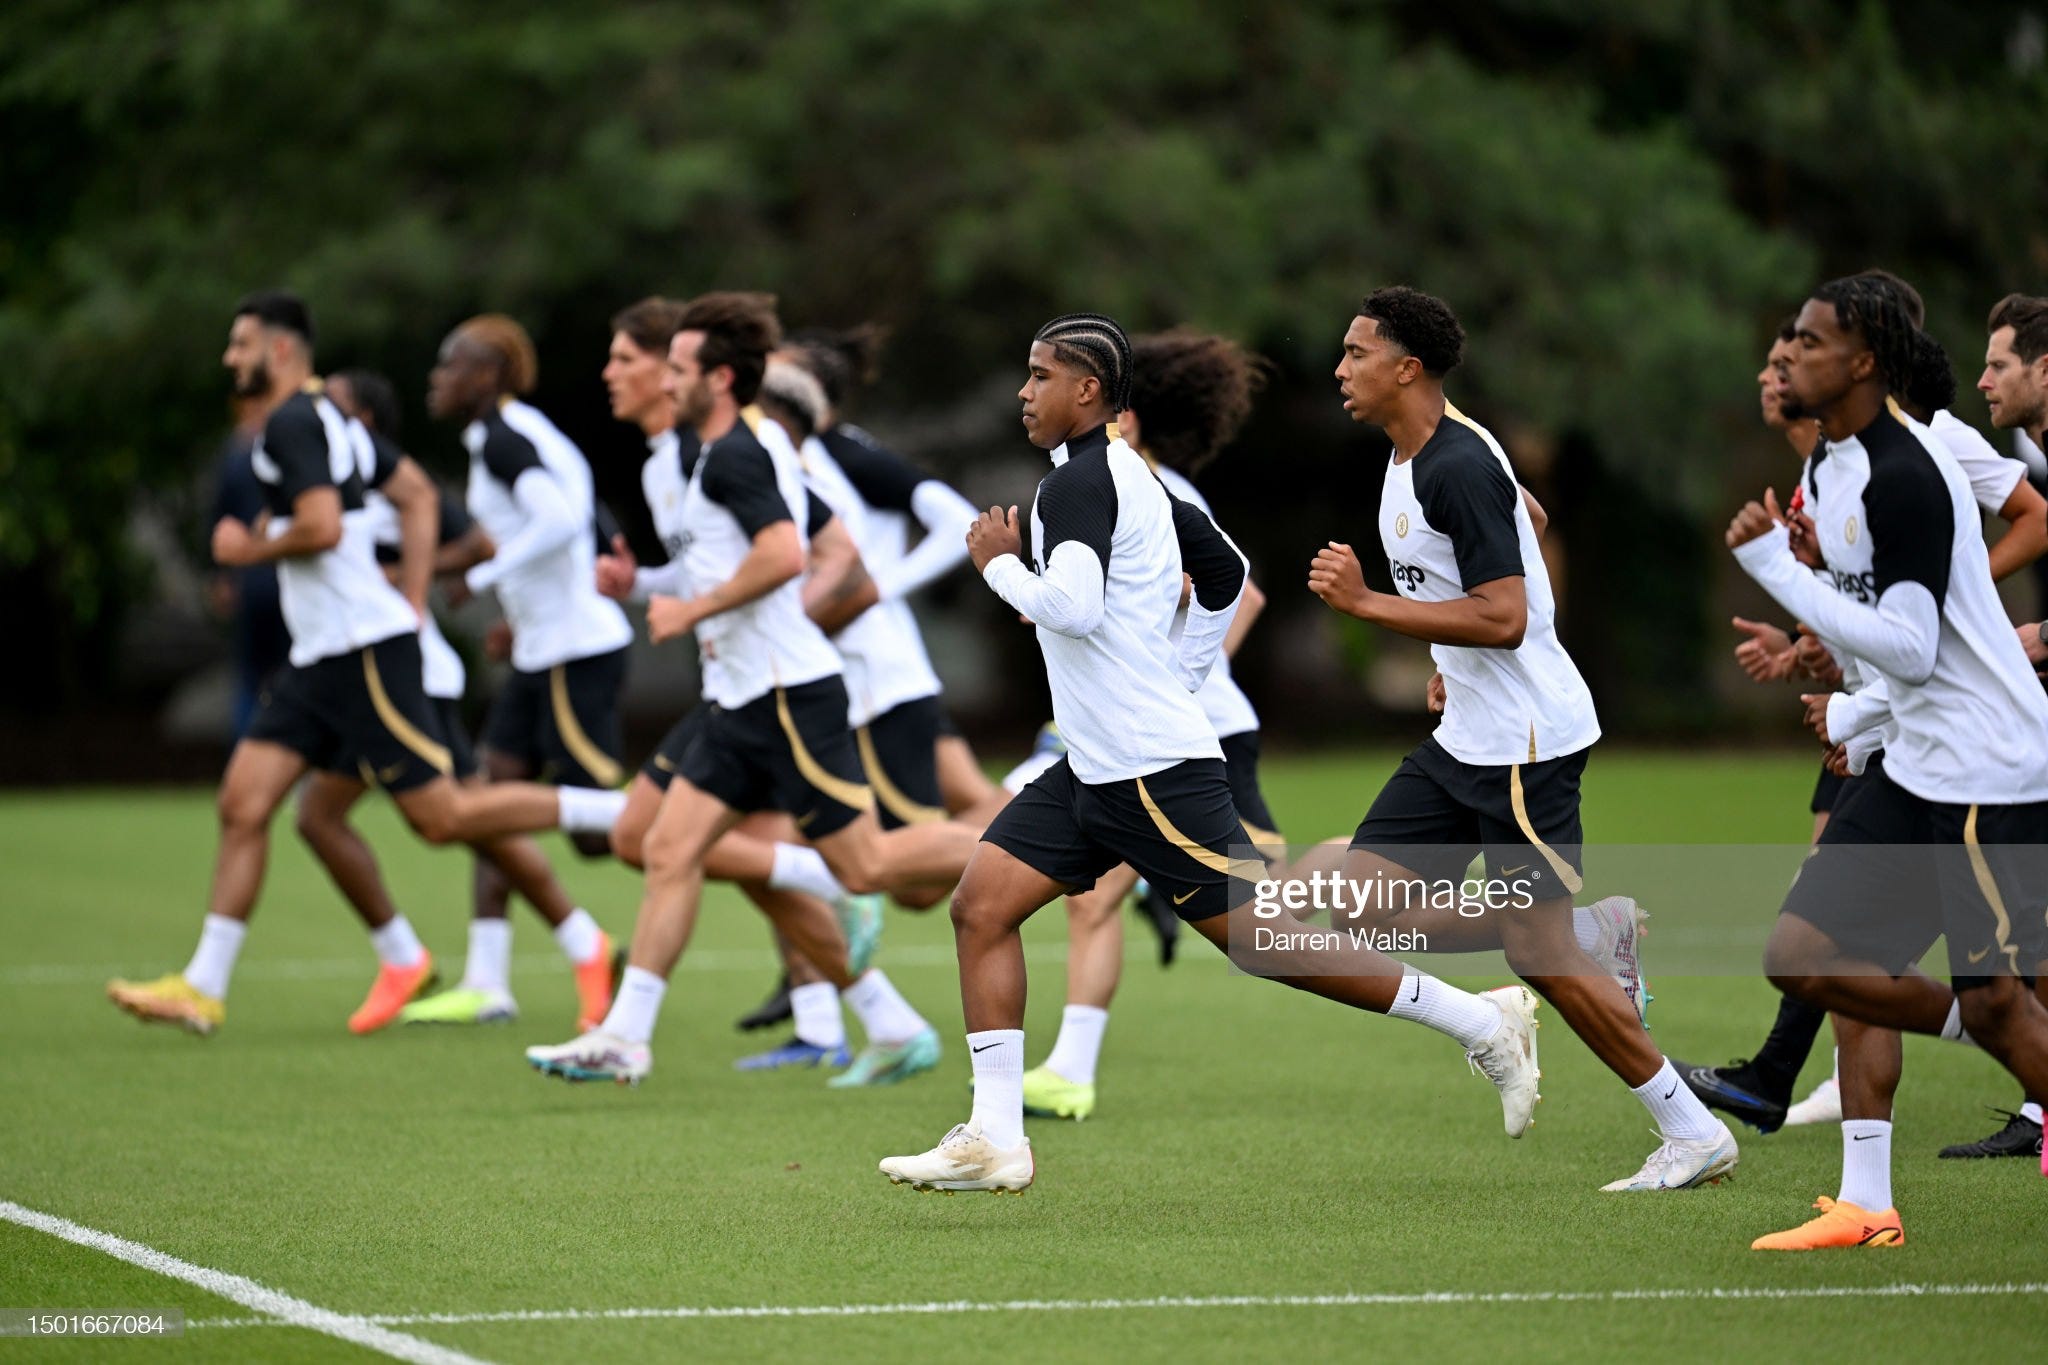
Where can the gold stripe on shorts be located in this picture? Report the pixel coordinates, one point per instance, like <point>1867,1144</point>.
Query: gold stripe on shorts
<point>1567,878</point>
<point>1207,857</point>
<point>602,767</point>
<point>1988,885</point>
<point>888,793</point>
<point>850,794</point>
<point>403,730</point>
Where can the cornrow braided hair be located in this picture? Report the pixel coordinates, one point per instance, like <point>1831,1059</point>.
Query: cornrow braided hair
<point>1932,385</point>
<point>518,363</point>
<point>1192,393</point>
<point>1096,344</point>
<point>1875,311</point>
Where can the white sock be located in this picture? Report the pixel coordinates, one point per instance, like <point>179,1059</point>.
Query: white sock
<point>998,1058</point>
<point>816,1009</point>
<point>1469,1018</point>
<point>1678,1112</point>
<point>396,944</point>
<point>579,936</point>
<point>2031,1110</point>
<point>635,1007</point>
<point>1079,1044</point>
<point>1952,1030</point>
<point>800,868</point>
<point>1867,1164</point>
<point>1585,929</point>
<point>213,961</point>
<point>885,1016</point>
<point>489,967</point>
<point>588,810</point>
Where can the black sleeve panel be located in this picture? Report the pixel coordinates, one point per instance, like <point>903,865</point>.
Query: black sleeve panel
<point>1078,501</point>
<point>507,454</point>
<point>1912,522</point>
<point>883,478</point>
<point>1467,496</point>
<point>741,479</point>
<point>295,440</point>
<point>1207,556</point>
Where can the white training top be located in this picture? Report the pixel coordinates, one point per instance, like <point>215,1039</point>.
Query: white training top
<point>1452,518</point>
<point>531,489</point>
<point>1229,710</point>
<point>337,600</point>
<point>1107,546</point>
<point>1913,601</point>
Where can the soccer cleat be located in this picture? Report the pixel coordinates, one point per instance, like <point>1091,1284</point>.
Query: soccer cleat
<point>1157,910</point>
<point>1049,1095</point>
<point>965,1160</point>
<point>2021,1136</point>
<point>888,1063</point>
<point>169,999</point>
<point>794,1053</point>
<point>392,991</point>
<point>596,1056</point>
<point>1682,1163</point>
<point>1508,1058</point>
<point>1824,1105</point>
<point>463,1005</point>
<point>1839,1225</point>
<point>1736,1091</point>
<point>1621,922</point>
<point>596,976</point>
<point>860,919</point>
<point>770,1012</point>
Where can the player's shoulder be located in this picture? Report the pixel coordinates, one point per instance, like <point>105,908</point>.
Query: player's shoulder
<point>1906,461</point>
<point>297,416</point>
<point>1459,461</point>
<point>1463,441</point>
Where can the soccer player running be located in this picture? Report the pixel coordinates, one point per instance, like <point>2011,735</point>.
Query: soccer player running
<point>1143,781</point>
<point>352,699</point>
<point>1501,773</point>
<point>1945,835</point>
<point>775,737</point>
<point>1190,394</point>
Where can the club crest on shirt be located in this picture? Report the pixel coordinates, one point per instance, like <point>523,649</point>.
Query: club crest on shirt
<point>1849,531</point>
<point>1401,525</point>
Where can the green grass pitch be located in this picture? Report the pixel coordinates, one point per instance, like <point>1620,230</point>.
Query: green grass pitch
<point>1250,1141</point>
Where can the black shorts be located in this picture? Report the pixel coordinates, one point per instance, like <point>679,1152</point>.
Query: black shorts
<point>1825,789</point>
<point>364,713</point>
<point>898,754</point>
<point>1436,814</point>
<point>1241,762</point>
<point>666,761</point>
<point>948,728</point>
<point>1177,828</point>
<point>1892,872</point>
<point>461,754</point>
<point>563,722</point>
<point>789,751</point>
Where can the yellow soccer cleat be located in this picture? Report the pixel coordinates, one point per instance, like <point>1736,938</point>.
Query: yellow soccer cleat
<point>1049,1095</point>
<point>392,991</point>
<point>169,1000</point>
<point>1840,1225</point>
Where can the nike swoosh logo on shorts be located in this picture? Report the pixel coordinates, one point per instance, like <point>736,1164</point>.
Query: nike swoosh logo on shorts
<point>1183,900</point>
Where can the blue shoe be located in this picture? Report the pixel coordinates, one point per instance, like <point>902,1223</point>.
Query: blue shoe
<point>860,919</point>
<point>888,1063</point>
<point>795,1052</point>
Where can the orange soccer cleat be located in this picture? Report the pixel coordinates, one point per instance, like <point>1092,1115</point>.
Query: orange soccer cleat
<point>1840,1225</point>
<point>596,976</point>
<point>392,991</point>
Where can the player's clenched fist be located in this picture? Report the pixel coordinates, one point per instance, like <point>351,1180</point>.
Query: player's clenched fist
<point>993,535</point>
<point>1335,576</point>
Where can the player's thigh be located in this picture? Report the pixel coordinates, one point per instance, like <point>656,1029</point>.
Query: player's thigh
<point>629,831</point>
<point>258,778</point>
<point>999,891</point>
<point>325,799</point>
<point>688,822</point>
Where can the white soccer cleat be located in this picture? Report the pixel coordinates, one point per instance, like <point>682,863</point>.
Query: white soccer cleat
<point>1824,1105</point>
<point>1681,1164</point>
<point>596,1056</point>
<point>965,1160</point>
<point>1621,923</point>
<point>1508,1058</point>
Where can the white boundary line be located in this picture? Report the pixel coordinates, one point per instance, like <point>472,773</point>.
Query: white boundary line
<point>1433,1300</point>
<point>281,1309</point>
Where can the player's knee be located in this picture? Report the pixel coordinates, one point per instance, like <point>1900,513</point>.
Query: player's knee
<point>436,823</point>
<point>312,825</point>
<point>919,898</point>
<point>629,846</point>
<point>241,813</point>
<point>1991,1006</point>
<point>970,912</point>
<point>667,853</point>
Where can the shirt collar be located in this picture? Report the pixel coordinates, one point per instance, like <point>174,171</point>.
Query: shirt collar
<point>1087,443</point>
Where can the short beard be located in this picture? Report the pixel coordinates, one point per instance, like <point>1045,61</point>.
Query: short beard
<point>1791,410</point>
<point>256,385</point>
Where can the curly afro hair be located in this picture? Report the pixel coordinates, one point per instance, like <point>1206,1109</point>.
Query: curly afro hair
<point>1192,393</point>
<point>1931,387</point>
<point>844,360</point>
<point>1420,324</point>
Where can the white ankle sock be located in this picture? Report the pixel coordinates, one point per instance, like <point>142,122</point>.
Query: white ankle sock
<point>489,965</point>
<point>1952,1030</point>
<point>798,868</point>
<point>1585,929</point>
<point>213,961</point>
<point>634,1010</point>
<point>1079,1044</point>
<point>2031,1110</point>
<point>1678,1112</point>
<point>588,810</point>
<point>816,1010</point>
<point>396,944</point>
<point>1867,1164</point>
<point>998,1058</point>
<point>1469,1018</point>
<point>885,1016</point>
<point>579,936</point>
